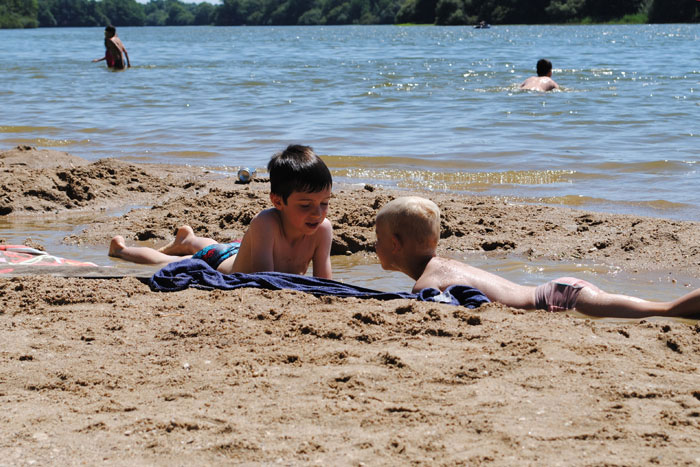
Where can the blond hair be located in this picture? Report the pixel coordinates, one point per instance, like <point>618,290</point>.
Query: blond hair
<point>412,217</point>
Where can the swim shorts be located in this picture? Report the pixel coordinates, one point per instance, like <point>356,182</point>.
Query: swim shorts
<point>217,253</point>
<point>560,294</point>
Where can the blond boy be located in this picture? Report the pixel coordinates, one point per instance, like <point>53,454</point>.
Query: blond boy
<point>285,238</point>
<point>408,230</point>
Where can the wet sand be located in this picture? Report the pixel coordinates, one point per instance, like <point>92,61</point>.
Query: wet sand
<point>104,370</point>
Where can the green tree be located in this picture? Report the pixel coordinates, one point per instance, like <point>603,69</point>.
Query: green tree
<point>123,12</point>
<point>606,10</point>
<point>18,13</point>
<point>562,11</point>
<point>204,14</point>
<point>232,13</point>
<point>417,11</point>
<point>386,10</point>
<point>289,11</point>
<point>673,11</point>
<point>179,15</point>
<point>450,12</point>
<point>70,13</point>
<point>338,14</point>
<point>156,13</point>
<point>312,16</point>
<point>512,11</point>
<point>45,16</point>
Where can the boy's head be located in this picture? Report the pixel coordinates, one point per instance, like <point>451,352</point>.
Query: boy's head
<point>411,222</point>
<point>298,169</point>
<point>110,31</point>
<point>544,67</point>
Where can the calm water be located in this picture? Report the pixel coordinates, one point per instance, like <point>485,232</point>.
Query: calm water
<point>433,107</point>
<point>437,107</point>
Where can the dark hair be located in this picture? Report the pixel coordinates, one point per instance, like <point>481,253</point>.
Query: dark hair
<point>544,66</point>
<point>297,168</point>
<point>111,29</point>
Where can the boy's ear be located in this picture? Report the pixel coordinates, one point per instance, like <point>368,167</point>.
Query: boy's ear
<point>396,243</point>
<point>276,200</point>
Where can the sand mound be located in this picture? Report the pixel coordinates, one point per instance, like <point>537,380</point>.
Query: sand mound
<point>32,158</point>
<point>42,182</point>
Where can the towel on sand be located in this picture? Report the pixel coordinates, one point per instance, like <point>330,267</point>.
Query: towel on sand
<point>197,273</point>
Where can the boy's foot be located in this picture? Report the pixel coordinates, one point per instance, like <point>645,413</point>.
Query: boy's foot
<point>116,246</point>
<point>182,244</point>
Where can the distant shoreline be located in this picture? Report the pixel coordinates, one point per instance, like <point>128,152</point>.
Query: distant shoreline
<point>317,12</point>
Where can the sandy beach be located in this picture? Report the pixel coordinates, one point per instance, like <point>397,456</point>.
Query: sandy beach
<point>98,370</point>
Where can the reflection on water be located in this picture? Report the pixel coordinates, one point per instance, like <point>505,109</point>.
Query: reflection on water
<point>50,236</point>
<point>365,271</point>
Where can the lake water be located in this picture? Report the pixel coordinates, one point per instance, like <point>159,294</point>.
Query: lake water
<point>431,107</point>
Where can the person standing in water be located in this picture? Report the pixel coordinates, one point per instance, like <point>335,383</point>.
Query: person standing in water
<point>543,81</point>
<point>115,52</point>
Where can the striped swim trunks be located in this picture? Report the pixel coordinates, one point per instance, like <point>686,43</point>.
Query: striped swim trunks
<point>217,253</point>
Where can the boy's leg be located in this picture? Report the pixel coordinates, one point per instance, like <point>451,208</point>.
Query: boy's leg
<point>598,303</point>
<point>139,254</point>
<point>186,243</point>
<point>687,305</point>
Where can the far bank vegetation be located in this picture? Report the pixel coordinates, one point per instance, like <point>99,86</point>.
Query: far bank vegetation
<point>59,13</point>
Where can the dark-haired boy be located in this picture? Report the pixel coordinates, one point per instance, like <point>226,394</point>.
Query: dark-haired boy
<point>284,238</point>
<point>543,81</point>
<point>114,50</point>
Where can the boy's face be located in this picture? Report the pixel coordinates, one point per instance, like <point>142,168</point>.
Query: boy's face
<point>384,244</point>
<point>303,211</point>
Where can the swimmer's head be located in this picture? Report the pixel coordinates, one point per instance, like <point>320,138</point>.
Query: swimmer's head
<point>544,67</point>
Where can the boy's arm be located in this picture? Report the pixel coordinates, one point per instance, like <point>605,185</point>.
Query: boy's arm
<point>322,254</point>
<point>128,63</point>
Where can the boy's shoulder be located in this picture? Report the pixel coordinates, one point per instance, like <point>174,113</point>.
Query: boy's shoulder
<point>267,217</point>
<point>428,277</point>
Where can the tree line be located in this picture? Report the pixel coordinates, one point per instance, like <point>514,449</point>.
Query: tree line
<point>59,13</point>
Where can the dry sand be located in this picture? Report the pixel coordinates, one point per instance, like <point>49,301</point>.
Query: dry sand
<point>106,371</point>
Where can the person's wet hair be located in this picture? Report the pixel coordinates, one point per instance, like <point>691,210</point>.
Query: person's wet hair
<point>298,168</point>
<point>544,66</point>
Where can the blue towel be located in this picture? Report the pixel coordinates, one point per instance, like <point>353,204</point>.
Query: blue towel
<point>197,273</point>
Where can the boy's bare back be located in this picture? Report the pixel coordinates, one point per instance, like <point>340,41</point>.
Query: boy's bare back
<point>539,83</point>
<point>441,273</point>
